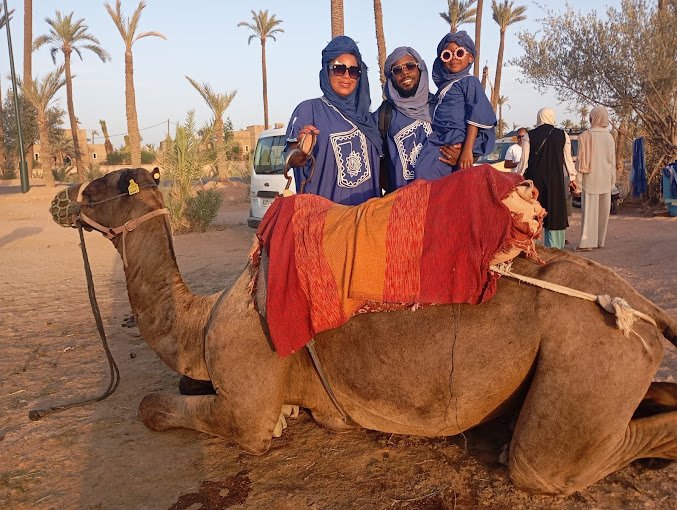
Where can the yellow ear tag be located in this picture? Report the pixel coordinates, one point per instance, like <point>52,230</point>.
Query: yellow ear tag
<point>133,187</point>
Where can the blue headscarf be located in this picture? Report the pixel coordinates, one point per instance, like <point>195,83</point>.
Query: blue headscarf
<point>441,74</point>
<point>418,105</point>
<point>355,106</point>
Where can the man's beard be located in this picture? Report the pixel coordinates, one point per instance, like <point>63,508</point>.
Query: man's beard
<point>407,93</point>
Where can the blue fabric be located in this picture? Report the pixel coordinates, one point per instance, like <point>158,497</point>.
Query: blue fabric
<point>356,105</point>
<point>418,105</point>
<point>554,238</point>
<point>463,103</point>
<point>638,168</point>
<point>347,162</point>
<point>441,75</point>
<point>405,139</point>
<point>670,182</point>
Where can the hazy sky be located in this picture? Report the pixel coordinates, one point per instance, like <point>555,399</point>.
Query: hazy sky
<point>204,42</point>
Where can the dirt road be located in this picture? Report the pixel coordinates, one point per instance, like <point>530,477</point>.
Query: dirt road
<point>101,456</point>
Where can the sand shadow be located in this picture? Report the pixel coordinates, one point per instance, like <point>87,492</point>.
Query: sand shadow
<point>19,233</point>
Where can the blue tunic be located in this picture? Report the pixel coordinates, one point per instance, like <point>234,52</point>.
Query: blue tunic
<point>405,138</point>
<point>459,103</point>
<point>347,163</point>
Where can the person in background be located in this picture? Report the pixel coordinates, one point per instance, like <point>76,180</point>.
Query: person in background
<point>514,154</point>
<point>463,117</point>
<point>546,157</point>
<point>596,176</point>
<point>404,117</point>
<point>348,146</point>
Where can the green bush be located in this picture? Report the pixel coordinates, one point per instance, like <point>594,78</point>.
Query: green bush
<point>203,207</point>
<point>118,158</point>
<point>147,157</point>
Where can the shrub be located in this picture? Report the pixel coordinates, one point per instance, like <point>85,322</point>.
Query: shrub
<point>147,157</point>
<point>203,207</point>
<point>118,158</point>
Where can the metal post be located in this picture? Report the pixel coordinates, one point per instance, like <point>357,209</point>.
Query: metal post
<point>23,166</point>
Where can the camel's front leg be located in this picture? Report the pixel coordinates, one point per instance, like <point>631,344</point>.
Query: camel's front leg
<point>213,414</point>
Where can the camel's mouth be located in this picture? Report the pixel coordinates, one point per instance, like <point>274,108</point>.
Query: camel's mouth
<point>63,211</point>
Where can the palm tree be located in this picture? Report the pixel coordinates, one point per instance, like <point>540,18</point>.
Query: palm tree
<point>127,28</point>
<point>68,36</point>
<point>28,65</point>
<point>40,93</point>
<point>478,36</point>
<point>584,111</point>
<point>567,124</point>
<point>504,15</point>
<point>336,8</point>
<point>218,103</point>
<point>380,39</point>
<point>459,13</point>
<point>108,146</point>
<point>263,28</point>
<point>502,101</point>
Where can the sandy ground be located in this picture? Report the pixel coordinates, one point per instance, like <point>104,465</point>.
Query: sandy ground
<point>101,456</point>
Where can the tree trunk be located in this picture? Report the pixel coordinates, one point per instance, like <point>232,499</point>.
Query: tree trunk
<point>108,146</point>
<point>28,67</point>
<point>621,140</point>
<point>478,38</point>
<point>3,152</point>
<point>500,121</point>
<point>71,116</point>
<point>265,83</point>
<point>380,40</point>
<point>219,143</point>
<point>45,151</point>
<point>132,120</point>
<point>495,94</point>
<point>337,18</point>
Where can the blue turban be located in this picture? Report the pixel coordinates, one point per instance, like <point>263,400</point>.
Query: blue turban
<point>418,105</point>
<point>355,106</point>
<point>441,74</point>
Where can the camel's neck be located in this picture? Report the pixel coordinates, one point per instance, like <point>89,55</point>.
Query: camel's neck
<point>171,319</point>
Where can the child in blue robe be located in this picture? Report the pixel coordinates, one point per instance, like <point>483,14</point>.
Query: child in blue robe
<point>463,116</point>
<point>349,146</point>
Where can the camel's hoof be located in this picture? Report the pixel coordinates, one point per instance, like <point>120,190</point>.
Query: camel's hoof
<point>154,414</point>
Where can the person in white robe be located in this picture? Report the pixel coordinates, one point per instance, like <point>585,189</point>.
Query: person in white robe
<point>596,176</point>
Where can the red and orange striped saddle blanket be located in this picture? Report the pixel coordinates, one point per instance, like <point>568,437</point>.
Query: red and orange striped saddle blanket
<point>431,242</point>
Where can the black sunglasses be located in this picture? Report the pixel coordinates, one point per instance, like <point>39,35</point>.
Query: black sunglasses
<point>409,66</point>
<point>340,70</point>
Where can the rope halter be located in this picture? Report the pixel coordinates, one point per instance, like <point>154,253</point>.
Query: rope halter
<point>70,214</point>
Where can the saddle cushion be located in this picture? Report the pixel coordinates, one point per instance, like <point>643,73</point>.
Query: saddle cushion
<point>431,242</point>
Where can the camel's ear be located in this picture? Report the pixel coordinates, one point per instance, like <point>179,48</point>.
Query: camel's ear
<point>126,176</point>
<point>156,175</point>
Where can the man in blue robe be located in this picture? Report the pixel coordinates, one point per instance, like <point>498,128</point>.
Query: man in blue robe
<point>404,117</point>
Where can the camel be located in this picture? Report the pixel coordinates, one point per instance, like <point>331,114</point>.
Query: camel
<point>577,381</point>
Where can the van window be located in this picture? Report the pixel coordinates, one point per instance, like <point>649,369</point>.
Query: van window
<point>269,156</point>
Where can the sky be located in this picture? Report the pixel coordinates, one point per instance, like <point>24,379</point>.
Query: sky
<point>205,43</point>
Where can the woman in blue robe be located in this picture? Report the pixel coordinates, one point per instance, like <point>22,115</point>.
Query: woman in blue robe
<point>349,145</point>
<point>462,110</point>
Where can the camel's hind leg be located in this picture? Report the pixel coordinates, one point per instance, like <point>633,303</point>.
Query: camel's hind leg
<point>575,425</point>
<point>661,398</point>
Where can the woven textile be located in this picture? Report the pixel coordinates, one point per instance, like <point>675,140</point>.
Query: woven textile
<point>427,243</point>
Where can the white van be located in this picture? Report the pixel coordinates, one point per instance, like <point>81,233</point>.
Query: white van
<point>267,178</point>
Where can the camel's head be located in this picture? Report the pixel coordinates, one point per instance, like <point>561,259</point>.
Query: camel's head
<point>109,201</point>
